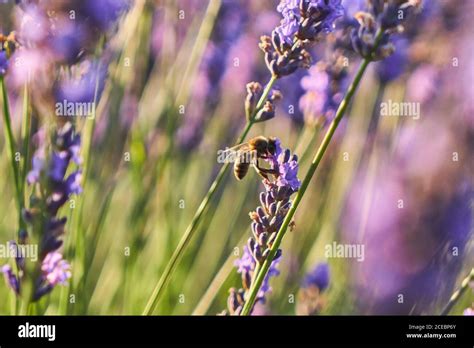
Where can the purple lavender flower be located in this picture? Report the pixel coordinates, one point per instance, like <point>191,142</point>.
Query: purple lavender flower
<point>246,265</point>
<point>54,169</point>
<point>303,21</point>
<point>81,86</point>
<point>313,102</point>
<point>380,16</point>
<point>266,221</point>
<point>288,169</point>
<point>290,22</point>
<point>3,63</point>
<point>393,66</point>
<point>66,39</point>
<point>55,269</point>
<point>324,88</point>
<point>49,176</point>
<point>11,278</point>
<point>439,217</point>
<point>307,18</point>
<point>104,13</point>
<point>310,300</point>
<point>318,277</point>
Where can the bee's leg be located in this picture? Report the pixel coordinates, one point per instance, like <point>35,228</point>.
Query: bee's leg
<point>263,172</point>
<point>259,170</point>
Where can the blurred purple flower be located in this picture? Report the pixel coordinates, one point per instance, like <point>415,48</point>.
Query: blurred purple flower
<point>318,277</point>
<point>76,29</point>
<point>3,63</point>
<point>310,300</point>
<point>324,87</point>
<point>395,65</point>
<point>105,12</point>
<point>32,25</point>
<point>55,269</point>
<point>414,231</point>
<point>422,83</point>
<point>68,40</point>
<point>380,16</point>
<point>314,101</point>
<point>49,173</point>
<point>11,278</point>
<point>85,86</point>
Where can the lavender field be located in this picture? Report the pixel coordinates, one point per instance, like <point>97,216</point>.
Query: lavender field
<point>237,157</point>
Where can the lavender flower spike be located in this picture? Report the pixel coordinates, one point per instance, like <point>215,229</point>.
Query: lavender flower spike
<point>303,22</point>
<point>384,17</point>
<point>266,221</point>
<point>305,19</point>
<point>49,177</point>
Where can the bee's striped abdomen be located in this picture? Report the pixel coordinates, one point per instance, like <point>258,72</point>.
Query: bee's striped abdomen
<point>241,166</point>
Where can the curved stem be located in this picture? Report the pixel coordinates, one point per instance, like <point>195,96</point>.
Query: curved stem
<point>263,270</point>
<point>191,229</point>
<point>458,293</point>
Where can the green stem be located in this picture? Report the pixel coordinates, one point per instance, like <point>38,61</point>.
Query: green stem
<point>191,229</point>
<point>26,129</point>
<point>252,294</point>
<point>458,293</point>
<point>10,140</point>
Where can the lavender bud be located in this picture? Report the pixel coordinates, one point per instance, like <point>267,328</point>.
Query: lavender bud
<point>251,243</point>
<point>266,113</point>
<point>246,280</point>
<point>257,253</point>
<point>273,208</point>
<point>262,240</point>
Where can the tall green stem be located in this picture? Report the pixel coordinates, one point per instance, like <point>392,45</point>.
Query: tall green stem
<point>458,293</point>
<point>10,141</point>
<point>25,133</point>
<point>263,269</point>
<point>191,229</point>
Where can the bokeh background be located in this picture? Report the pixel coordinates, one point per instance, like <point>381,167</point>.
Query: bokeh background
<point>172,86</point>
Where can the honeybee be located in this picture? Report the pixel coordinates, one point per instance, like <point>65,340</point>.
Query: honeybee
<point>250,152</point>
<point>8,43</point>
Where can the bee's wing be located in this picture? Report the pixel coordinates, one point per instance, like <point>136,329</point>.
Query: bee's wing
<point>241,147</point>
<point>231,153</point>
<point>237,148</point>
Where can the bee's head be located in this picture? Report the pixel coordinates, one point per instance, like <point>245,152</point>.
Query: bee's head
<point>260,144</point>
<point>272,145</point>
